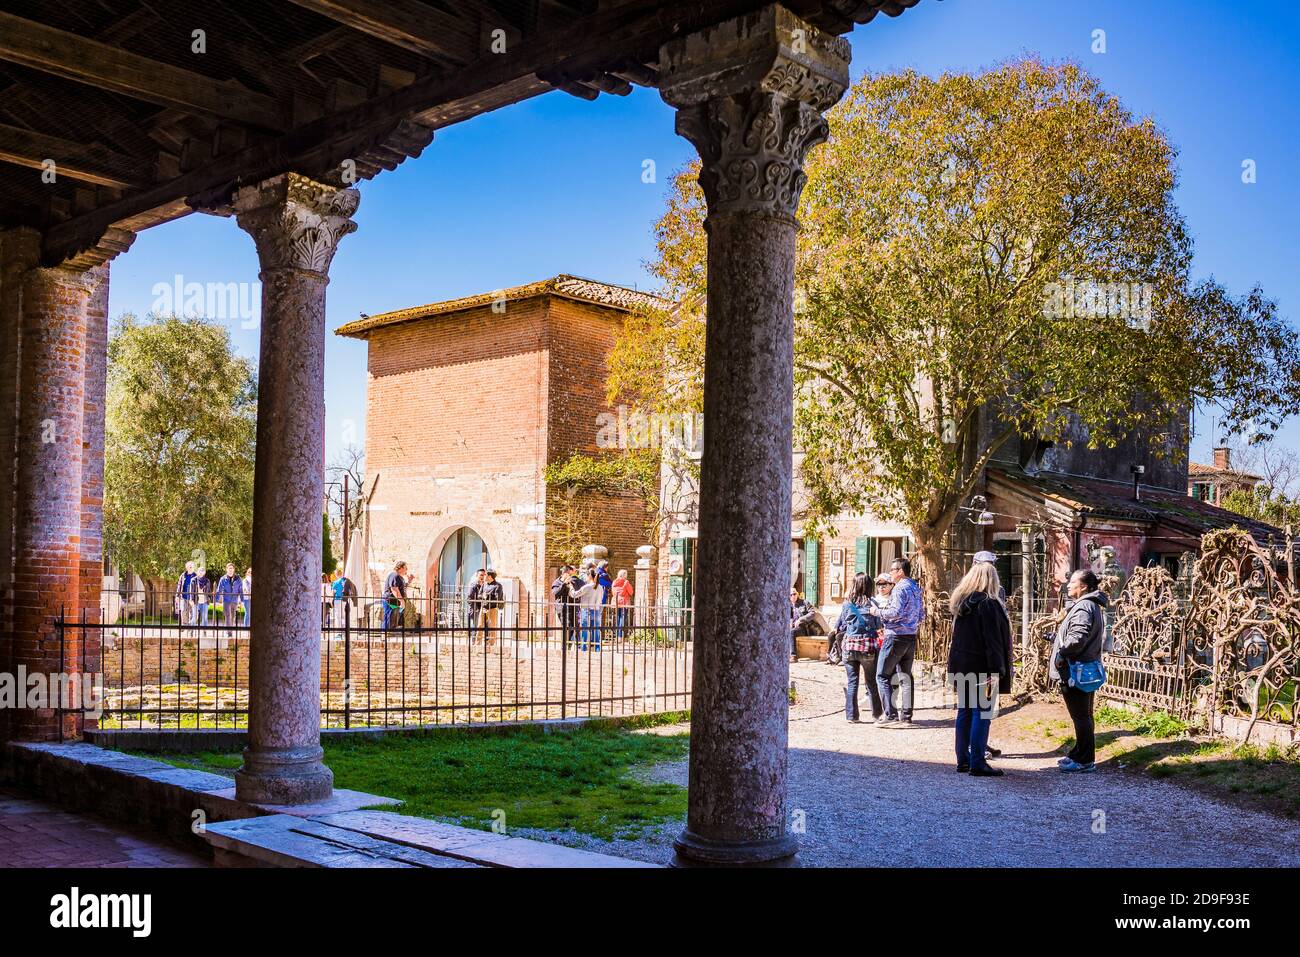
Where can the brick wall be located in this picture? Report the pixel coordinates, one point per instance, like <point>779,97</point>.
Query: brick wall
<point>455,434</point>
<point>419,679</point>
<point>48,513</point>
<point>92,444</point>
<point>463,413</point>
<point>581,337</point>
<point>19,251</point>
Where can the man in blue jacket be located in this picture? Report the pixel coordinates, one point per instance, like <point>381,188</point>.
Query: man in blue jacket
<point>902,616</point>
<point>230,592</point>
<point>606,583</point>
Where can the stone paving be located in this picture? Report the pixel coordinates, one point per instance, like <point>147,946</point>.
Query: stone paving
<point>35,833</point>
<point>879,797</point>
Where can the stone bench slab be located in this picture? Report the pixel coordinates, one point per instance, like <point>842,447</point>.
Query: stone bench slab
<point>282,840</point>
<point>481,847</point>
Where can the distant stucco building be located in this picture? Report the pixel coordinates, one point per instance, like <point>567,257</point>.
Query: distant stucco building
<point>1214,483</point>
<point>467,401</point>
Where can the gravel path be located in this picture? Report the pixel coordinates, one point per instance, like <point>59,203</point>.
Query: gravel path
<point>873,797</point>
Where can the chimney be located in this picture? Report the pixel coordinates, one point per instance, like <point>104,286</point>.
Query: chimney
<point>1223,457</point>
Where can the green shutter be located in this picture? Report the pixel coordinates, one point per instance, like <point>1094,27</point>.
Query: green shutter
<point>811,578</point>
<point>864,556</point>
<point>677,583</point>
<point>907,547</point>
<point>681,587</point>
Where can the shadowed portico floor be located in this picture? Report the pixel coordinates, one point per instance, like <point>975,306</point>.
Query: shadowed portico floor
<point>36,833</point>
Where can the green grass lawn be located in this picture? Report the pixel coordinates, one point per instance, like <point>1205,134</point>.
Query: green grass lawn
<point>566,779</point>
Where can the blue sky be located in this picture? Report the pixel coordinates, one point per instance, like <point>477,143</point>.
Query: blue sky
<point>555,184</point>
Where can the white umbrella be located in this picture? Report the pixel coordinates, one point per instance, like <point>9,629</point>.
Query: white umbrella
<point>356,564</point>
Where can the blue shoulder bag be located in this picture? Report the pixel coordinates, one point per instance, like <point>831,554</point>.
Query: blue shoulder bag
<point>1087,675</point>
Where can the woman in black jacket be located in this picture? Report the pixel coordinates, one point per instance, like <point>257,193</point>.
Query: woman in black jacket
<point>979,663</point>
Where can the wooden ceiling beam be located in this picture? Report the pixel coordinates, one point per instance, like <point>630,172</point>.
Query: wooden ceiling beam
<point>630,32</point>
<point>86,163</point>
<point>73,57</point>
<point>408,24</point>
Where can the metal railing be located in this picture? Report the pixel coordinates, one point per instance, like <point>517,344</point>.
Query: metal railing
<point>435,660</point>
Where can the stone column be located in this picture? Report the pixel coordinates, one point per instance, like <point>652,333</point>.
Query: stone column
<point>749,94</point>
<point>47,521</point>
<point>643,585</point>
<point>297,224</point>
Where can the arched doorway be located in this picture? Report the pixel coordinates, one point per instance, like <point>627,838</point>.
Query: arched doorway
<point>463,554</point>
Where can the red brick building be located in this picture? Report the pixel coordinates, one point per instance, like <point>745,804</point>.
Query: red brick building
<point>1213,483</point>
<point>467,401</point>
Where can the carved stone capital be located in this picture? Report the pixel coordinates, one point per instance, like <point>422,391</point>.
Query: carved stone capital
<point>296,222</point>
<point>749,94</point>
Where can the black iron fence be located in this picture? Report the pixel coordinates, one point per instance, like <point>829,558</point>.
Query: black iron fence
<point>165,662</point>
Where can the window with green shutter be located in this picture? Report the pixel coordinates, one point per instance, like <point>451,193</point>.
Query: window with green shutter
<point>680,586</point>
<point>811,578</point>
<point>864,555</point>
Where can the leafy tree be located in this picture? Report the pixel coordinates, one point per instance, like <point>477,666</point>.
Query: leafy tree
<point>655,368</point>
<point>981,257</point>
<point>1265,504</point>
<point>577,485</point>
<point>179,444</point>
<point>328,561</point>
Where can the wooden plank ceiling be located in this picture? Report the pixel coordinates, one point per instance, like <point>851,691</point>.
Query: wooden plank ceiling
<point>146,118</point>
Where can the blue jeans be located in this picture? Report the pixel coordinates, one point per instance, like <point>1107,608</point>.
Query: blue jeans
<point>248,610</point>
<point>896,656</point>
<point>868,665</point>
<point>392,617</point>
<point>201,614</point>
<point>589,626</point>
<point>973,736</point>
<point>621,621</point>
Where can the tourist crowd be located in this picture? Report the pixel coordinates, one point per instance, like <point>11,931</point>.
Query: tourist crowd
<point>198,597</point>
<point>875,638</point>
<point>587,601</point>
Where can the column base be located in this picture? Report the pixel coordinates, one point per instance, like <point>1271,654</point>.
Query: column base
<point>696,851</point>
<point>284,776</point>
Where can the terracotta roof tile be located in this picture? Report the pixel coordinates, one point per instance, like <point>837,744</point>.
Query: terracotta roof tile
<point>1111,499</point>
<point>1211,471</point>
<point>570,287</point>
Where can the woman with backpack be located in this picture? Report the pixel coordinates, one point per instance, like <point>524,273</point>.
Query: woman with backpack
<point>979,663</point>
<point>860,646</point>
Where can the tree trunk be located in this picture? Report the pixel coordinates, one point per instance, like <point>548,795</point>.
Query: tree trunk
<point>931,575</point>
